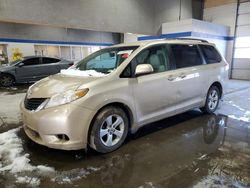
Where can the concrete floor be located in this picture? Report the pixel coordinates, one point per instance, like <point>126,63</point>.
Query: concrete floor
<point>187,150</point>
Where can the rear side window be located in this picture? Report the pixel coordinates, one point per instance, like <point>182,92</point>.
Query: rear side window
<point>47,60</point>
<point>31,61</point>
<point>211,55</point>
<point>185,55</point>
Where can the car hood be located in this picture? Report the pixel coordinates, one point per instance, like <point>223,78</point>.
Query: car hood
<point>4,68</point>
<point>58,83</point>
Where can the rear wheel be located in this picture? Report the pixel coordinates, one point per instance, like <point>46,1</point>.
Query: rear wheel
<point>110,129</point>
<point>6,80</point>
<point>212,101</point>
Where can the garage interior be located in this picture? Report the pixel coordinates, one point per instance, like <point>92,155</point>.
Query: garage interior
<point>174,152</point>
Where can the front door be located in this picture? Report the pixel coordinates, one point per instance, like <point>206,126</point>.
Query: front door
<point>29,71</point>
<point>155,93</point>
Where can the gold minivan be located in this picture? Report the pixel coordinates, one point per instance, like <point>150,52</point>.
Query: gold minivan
<point>117,90</point>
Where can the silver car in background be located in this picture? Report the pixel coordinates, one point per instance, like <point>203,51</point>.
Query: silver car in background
<point>31,69</point>
<point>117,90</point>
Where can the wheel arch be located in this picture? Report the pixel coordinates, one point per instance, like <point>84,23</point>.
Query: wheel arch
<point>121,105</point>
<point>8,73</point>
<point>219,86</point>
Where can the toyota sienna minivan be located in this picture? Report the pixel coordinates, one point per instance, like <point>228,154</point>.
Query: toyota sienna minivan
<point>117,90</point>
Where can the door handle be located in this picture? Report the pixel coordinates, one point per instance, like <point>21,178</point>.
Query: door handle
<point>183,76</point>
<point>171,78</point>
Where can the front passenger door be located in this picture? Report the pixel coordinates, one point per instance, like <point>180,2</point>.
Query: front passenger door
<point>29,70</point>
<point>155,93</point>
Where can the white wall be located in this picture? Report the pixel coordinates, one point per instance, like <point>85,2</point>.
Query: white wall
<point>215,30</point>
<point>241,65</point>
<point>225,15</point>
<point>202,30</point>
<point>137,16</point>
<point>169,10</point>
<point>25,48</point>
<point>177,26</point>
<point>130,37</point>
<point>100,15</point>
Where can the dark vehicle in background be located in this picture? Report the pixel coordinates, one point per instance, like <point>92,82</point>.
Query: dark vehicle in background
<point>31,69</point>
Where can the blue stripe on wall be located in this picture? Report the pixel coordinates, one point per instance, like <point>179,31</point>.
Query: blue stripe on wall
<point>186,34</point>
<point>54,42</point>
<point>210,36</point>
<point>164,36</point>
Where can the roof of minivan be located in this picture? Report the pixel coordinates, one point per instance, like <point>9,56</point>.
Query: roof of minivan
<point>34,56</point>
<point>160,41</point>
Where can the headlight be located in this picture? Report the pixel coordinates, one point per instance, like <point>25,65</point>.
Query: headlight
<point>66,97</point>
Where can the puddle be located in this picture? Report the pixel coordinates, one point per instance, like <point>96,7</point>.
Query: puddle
<point>188,150</point>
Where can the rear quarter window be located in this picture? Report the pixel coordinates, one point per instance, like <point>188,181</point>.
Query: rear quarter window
<point>211,55</point>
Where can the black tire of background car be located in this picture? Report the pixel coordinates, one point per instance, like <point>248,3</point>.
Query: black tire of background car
<point>6,80</point>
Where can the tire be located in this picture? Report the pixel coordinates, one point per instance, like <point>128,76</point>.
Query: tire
<point>6,80</point>
<point>109,130</point>
<point>212,100</point>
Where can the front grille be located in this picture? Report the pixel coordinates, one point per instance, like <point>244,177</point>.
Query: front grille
<point>34,103</point>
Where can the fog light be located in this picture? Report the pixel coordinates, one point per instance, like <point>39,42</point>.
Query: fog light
<point>63,137</point>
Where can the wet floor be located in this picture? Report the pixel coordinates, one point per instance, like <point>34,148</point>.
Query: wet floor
<point>13,90</point>
<point>188,150</point>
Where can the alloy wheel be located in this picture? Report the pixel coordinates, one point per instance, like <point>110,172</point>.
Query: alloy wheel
<point>112,130</point>
<point>213,99</point>
<point>6,80</point>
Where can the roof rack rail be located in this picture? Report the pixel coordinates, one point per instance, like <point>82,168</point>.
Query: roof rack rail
<point>201,40</point>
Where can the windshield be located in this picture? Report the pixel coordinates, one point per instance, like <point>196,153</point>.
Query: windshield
<point>105,60</point>
<point>15,62</point>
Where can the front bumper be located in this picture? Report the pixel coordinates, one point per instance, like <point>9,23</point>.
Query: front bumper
<point>47,126</point>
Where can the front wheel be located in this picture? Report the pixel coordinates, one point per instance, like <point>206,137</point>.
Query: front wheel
<point>110,129</point>
<point>6,80</point>
<point>212,100</point>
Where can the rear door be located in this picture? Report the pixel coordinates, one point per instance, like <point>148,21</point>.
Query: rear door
<point>155,93</point>
<point>49,66</point>
<point>189,75</point>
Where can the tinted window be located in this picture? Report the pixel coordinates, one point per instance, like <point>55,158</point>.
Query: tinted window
<point>210,54</point>
<point>47,60</point>
<point>31,61</point>
<point>127,73</point>
<point>186,55</point>
<point>156,56</point>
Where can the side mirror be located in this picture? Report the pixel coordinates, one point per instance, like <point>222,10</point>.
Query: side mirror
<point>143,69</point>
<point>20,64</point>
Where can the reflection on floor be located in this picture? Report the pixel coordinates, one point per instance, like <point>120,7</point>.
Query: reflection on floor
<point>187,150</point>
